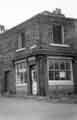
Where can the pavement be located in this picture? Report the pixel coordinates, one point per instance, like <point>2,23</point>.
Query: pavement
<point>12,108</point>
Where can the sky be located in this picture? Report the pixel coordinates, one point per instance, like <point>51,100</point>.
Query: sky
<point>13,12</point>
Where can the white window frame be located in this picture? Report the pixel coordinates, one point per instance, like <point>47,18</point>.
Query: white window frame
<point>60,82</point>
<point>18,82</point>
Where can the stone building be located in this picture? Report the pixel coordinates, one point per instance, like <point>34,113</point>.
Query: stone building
<point>39,56</point>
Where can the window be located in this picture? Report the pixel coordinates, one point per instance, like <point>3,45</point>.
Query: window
<point>21,40</point>
<point>21,73</point>
<point>59,69</point>
<point>58,34</point>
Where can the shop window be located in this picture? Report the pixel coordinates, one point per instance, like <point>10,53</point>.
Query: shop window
<point>21,73</point>
<point>21,40</point>
<point>59,69</point>
<point>58,34</point>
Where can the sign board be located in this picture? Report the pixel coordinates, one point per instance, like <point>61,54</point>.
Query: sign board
<point>62,74</point>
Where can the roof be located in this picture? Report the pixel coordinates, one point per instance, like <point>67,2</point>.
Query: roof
<point>55,13</point>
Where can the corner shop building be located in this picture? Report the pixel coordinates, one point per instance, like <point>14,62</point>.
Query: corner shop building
<point>38,57</point>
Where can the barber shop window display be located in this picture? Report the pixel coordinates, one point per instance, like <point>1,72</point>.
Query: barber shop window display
<point>60,69</point>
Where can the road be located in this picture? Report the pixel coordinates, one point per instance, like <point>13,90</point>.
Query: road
<point>28,109</point>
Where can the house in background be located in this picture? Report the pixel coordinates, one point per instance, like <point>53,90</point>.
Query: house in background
<point>39,56</point>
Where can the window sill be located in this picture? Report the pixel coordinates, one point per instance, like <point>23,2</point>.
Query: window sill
<point>60,82</point>
<point>60,45</point>
<point>19,85</point>
<point>33,46</point>
<point>18,50</point>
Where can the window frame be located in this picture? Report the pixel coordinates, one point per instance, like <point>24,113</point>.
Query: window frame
<point>62,34</point>
<point>60,82</point>
<point>18,82</point>
<point>20,44</point>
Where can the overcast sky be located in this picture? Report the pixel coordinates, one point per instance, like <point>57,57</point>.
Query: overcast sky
<point>13,12</point>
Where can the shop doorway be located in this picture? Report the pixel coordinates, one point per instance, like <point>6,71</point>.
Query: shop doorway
<point>6,79</point>
<point>33,80</point>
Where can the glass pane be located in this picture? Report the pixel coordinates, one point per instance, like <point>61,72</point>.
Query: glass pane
<point>57,34</point>
<point>23,66</point>
<point>57,75</point>
<point>62,65</point>
<point>18,76</point>
<point>20,65</point>
<point>35,75</point>
<point>23,39</point>
<point>17,67</point>
<point>51,65</point>
<point>51,75</point>
<point>25,76</point>
<point>22,79</point>
<point>67,66</point>
<point>19,45</point>
<point>56,66</point>
<point>68,75</point>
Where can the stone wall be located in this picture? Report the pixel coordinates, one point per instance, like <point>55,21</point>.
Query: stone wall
<point>60,90</point>
<point>38,30</point>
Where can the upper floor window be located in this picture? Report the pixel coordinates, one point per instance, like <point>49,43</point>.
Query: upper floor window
<point>58,35</point>
<point>21,40</point>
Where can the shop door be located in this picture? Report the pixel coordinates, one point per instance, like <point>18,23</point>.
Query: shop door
<point>6,81</point>
<point>34,80</point>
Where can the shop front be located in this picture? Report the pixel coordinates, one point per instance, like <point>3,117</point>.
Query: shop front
<point>60,75</point>
<point>43,75</point>
<point>30,76</point>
